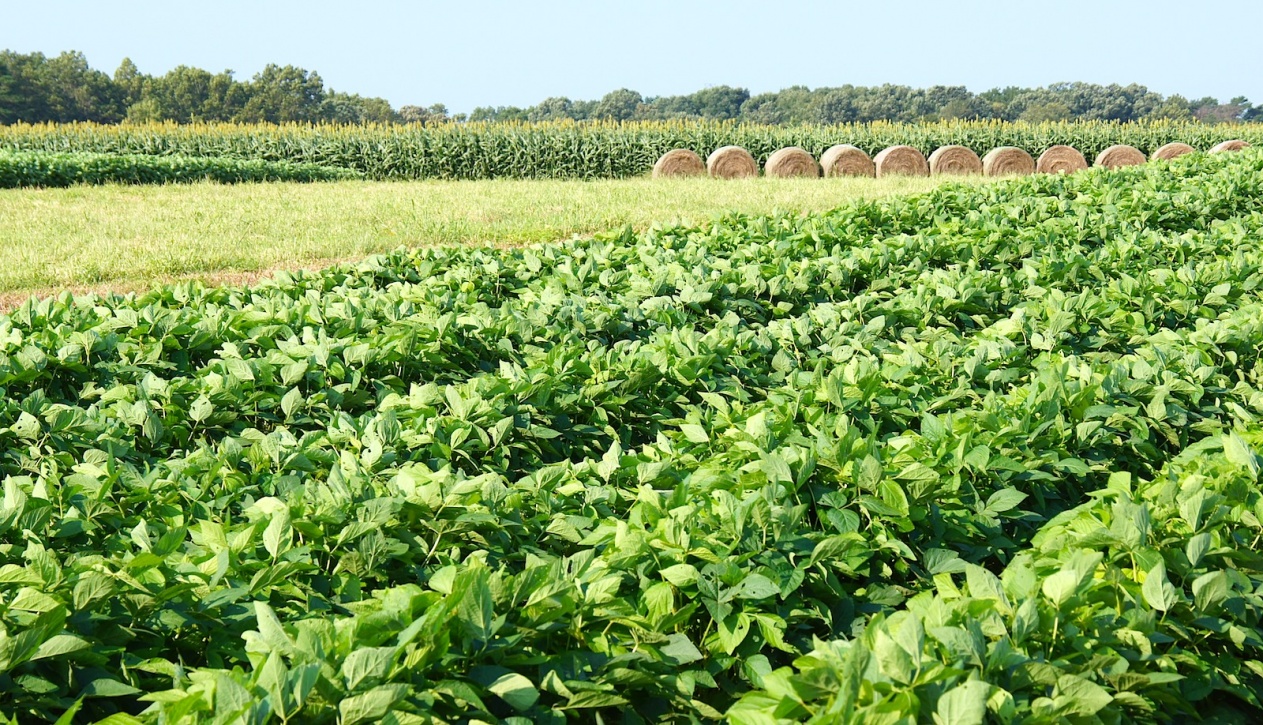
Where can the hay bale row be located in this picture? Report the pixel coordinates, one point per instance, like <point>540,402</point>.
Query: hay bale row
<point>1233,145</point>
<point>1060,160</point>
<point>731,162</point>
<point>734,162</point>
<point>900,161</point>
<point>679,162</point>
<point>1171,151</point>
<point>954,161</point>
<point>847,160</point>
<point>1120,155</point>
<point>792,162</point>
<point>1008,161</point>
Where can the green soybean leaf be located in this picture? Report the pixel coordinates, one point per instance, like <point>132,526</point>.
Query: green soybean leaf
<point>1157,591</point>
<point>1209,590</point>
<point>965,704</point>
<point>695,433</point>
<point>985,585</point>
<point>680,650</point>
<point>1061,586</point>
<point>681,575</point>
<point>372,705</point>
<point>1197,547</point>
<point>370,664</point>
<point>1236,451</point>
<point>1081,697</point>
<point>515,690</point>
<point>1005,500</point>
<point>277,535</point>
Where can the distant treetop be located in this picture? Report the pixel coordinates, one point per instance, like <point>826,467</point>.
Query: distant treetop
<point>35,88</point>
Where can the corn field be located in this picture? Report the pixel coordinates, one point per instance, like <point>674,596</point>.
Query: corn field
<point>577,150</point>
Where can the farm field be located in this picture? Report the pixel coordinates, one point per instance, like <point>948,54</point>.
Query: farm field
<point>588,150</point>
<point>987,452</point>
<point>131,238</point>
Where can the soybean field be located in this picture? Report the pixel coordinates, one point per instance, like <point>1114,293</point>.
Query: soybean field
<point>989,452</point>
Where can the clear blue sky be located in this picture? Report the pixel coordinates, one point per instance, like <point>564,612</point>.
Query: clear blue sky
<point>479,52</point>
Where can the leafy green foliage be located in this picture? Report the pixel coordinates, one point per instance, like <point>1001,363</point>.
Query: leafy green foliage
<point>24,168</point>
<point>989,453</point>
<point>565,149</point>
<point>1087,622</point>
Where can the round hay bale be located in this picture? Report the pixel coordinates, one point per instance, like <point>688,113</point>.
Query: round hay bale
<point>679,162</point>
<point>1120,155</point>
<point>1060,160</point>
<point>1170,151</point>
<point>1234,145</point>
<point>901,161</point>
<point>954,161</point>
<point>847,160</point>
<point>732,162</point>
<point>1007,161</point>
<point>791,162</point>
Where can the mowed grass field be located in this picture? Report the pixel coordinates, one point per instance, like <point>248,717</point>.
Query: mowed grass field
<point>129,238</point>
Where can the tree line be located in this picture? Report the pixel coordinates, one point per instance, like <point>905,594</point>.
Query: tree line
<point>860,104</point>
<point>36,88</point>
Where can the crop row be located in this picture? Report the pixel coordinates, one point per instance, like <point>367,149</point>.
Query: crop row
<point>580,150</point>
<point>987,451</point>
<point>32,168</point>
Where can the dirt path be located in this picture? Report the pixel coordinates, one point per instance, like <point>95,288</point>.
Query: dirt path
<point>10,301</point>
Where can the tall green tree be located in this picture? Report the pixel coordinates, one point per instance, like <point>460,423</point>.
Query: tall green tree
<point>76,92</point>
<point>620,105</point>
<point>720,102</point>
<point>837,106</point>
<point>130,82</point>
<point>436,113</point>
<point>284,94</point>
<point>184,94</point>
<point>35,88</point>
<point>551,109</point>
<point>12,96</point>
<point>352,108</point>
<point>499,113</point>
